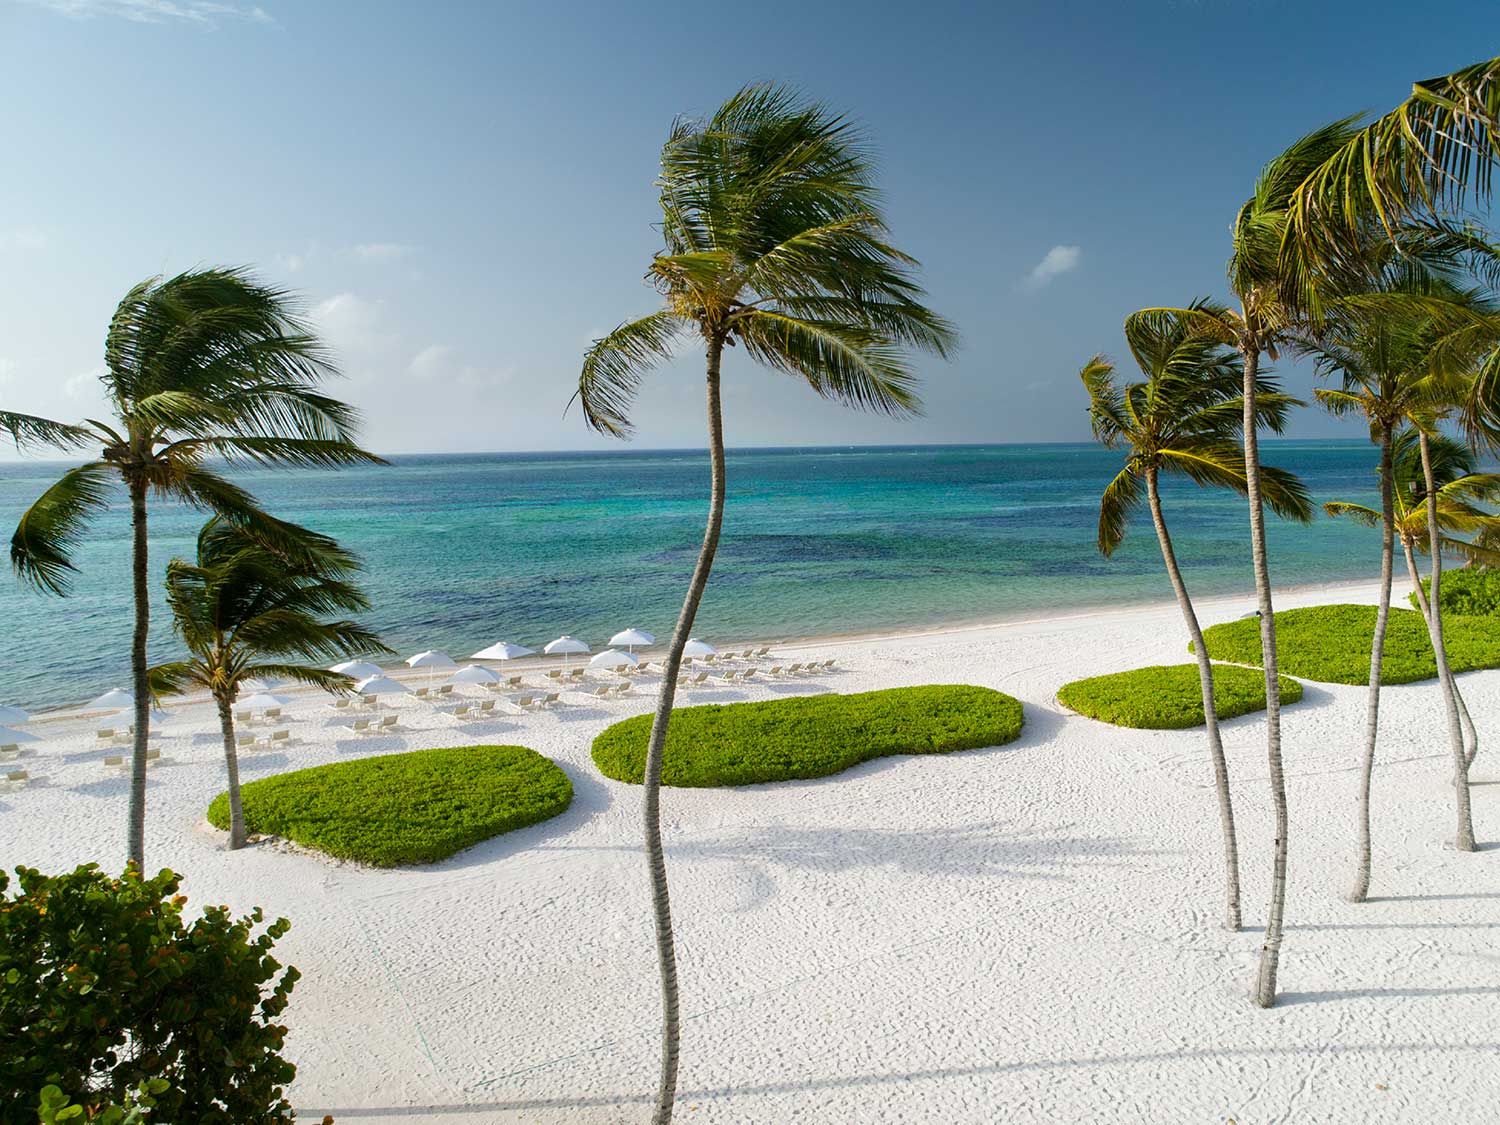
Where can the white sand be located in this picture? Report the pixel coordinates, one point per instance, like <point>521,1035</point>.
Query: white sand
<point>1029,933</point>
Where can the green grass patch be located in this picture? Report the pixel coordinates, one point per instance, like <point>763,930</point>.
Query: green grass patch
<point>1470,591</point>
<point>809,736</point>
<point>399,809</point>
<point>1331,643</point>
<point>1168,697</point>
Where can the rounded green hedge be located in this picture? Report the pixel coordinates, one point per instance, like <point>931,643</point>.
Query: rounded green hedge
<point>1470,591</point>
<point>1331,643</point>
<point>809,736</point>
<point>399,809</point>
<point>1169,697</point>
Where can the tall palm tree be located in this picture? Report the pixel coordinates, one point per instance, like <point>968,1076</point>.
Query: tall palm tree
<point>250,607</point>
<point>773,241</point>
<point>207,364</point>
<point>1394,351</point>
<point>1185,419</point>
<point>1266,320</point>
<point>1469,526</point>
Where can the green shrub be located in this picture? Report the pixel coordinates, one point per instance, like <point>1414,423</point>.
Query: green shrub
<point>1471,591</point>
<point>1331,643</point>
<point>809,736</point>
<point>399,809</point>
<point>104,987</point>
<point>1169,697</point>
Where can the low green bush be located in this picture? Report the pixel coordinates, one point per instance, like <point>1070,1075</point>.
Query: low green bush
<point>1169,697</point>
<point>1470,591</point>
<point>399,809</point>
<point>110,1000</point>
<point>809,736</point>
<point>1331,643</point>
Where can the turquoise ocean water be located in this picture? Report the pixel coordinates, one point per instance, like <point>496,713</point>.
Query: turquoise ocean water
<point>462,551</point>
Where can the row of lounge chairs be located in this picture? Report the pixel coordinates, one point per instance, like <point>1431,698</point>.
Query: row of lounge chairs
<point>122,762</point>
<point>701,679</point>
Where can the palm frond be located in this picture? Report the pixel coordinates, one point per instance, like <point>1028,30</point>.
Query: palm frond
<point>1121,497</point>
<point>614,366</point>
<point>29,430</point>
<point>1366,517</point>
<point>855,366</point>
<point>41,548</point>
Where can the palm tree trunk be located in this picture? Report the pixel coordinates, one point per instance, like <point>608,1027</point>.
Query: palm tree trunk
<point>1210,712</point>
<point>232,766</point>
<point>1471,734</point>
<point>136,840</point>
<point>655,858</point>
<point>1270,950</point>
<point>1361,888</point>
<point>1463,838</point>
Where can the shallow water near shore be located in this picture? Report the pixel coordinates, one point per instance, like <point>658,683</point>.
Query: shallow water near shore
<point>465,550</point>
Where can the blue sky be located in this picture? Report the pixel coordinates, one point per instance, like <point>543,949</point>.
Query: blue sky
<point>463,193</point>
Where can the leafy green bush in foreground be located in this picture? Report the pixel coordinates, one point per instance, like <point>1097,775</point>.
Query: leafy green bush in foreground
<point>809,736</point>
<point>398,809</point>
<point>105,987</point>
<point>1169,697</point>
<point>1331,643</point>
<point>1469,592</point>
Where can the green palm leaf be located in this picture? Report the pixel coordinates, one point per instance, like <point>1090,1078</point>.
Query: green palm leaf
<point>41,548</point>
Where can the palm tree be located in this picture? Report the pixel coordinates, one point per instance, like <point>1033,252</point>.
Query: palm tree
<point>1185,419</point>
<point>202,365</point>
<point>250,607</point>
<point>1460,493</point>
<point>774,241</point>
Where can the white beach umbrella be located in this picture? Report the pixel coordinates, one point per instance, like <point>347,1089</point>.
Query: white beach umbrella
<point>10,737</point>
<point>263,701</point>
<point>503,650</point>
<point>115,698</point>
<point>13,716</point>
<point>613,658</point>
<point>564,646</point>
<point>632,637</point>
<point>157,717</point>
<point>695,647</point>
<point>356,669</point>
<point>473,674</point>
<point>432,660</point>
<point>381,685</point>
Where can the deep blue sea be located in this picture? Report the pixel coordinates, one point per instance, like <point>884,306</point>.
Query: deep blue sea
<point>463,551</point>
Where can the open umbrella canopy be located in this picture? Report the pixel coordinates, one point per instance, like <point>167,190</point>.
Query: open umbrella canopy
<point>10,737</point>
<point>695,647</point>
<point>356,669</point>
<point>432,658</point>
<point>380,685</point>
<point>117,698</point>
<point>564,646</point>
<point>632,637</point>
<point>503,650</point>
<point>157,717</point>
<point>263,701</point>
<point>13,716</point>
<point>473,674</point>
<point>613,658</point>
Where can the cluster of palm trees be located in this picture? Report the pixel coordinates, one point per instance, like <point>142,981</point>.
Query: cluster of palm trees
<point>1356,250</point>
<point>206,369</point>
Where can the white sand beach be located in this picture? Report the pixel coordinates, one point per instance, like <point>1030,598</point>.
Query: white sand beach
<point>1028,934</point>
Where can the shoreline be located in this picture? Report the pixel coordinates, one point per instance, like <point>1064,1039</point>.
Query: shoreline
<point>527,666</point>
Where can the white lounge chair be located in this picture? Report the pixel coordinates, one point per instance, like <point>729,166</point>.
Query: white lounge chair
<point>244,717</point>
<point>748,672</point>
<point>17,778</point>
<point>554,673</point>
<point>359,726</point>
<point>690,680</point>
<point>621,689</point>
<point>549,699</point>
<point>460,712</point>
<point>762,650</point>
<point>421,692</point>
<point>342,703</point>
<point>730,678</point>
<point>525,701</point>
<point>601,691</point>
<point>243,739</point>
<point>390,721</point>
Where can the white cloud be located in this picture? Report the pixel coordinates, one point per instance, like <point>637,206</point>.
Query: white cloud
<point>205,13</point>
<point>440,361</point>
<point>1057,261</point>
<point>84,387</point>
<point>380,251</point>
<point>354,323</point>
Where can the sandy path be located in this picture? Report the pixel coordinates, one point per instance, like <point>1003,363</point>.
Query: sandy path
<point>1027,933</point>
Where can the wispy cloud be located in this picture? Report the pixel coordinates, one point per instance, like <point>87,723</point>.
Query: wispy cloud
<point>440,361</point>
<point>380,251</point>
<point>354,323</point>
<point>205,13</point>
<point>1057,261</point>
